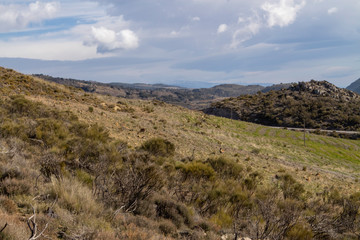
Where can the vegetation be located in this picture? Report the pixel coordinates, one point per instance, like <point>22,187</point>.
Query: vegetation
<point>52,161</point>
<point>315,104</point>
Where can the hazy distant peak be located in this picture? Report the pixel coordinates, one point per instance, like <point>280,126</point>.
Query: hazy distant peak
<point>355,86</point>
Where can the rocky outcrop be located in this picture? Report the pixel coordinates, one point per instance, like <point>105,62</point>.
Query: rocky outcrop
<point>319,104</point>
<point>325,89</point>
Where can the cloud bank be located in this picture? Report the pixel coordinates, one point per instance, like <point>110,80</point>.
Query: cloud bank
<point>15,16</point>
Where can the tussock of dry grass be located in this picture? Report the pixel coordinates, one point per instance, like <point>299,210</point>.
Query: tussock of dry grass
<point>74,196</point>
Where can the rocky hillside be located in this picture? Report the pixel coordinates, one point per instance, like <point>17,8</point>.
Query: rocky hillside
<point>355,86</point>
<point>319,104</point>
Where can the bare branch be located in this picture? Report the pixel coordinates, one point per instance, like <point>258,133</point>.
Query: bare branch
<point>31,222</point>
<point>3,228</point>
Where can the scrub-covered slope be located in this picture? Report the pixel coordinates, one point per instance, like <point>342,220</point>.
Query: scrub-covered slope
<point>75,165</point>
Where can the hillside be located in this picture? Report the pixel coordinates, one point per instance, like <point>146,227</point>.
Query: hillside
<point>318,104</point>
<point>189,98</point>
<point>355,86</point>
<point>79,165</point>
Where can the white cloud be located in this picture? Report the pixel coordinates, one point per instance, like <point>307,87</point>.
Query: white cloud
<point>282,13</point>
<point>222,28</point>
<point>60,49</point>
<point>332,10</point>
<point>196,19</point>
<point>252,27</point>
<point>108,40</point>
<point>14,17</point>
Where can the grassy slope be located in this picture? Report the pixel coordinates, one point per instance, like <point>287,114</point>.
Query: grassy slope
<point>323,162</point>
<point>329,161</point>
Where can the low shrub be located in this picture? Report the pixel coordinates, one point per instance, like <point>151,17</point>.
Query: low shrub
<point>225,167</point>
<point>12,186</point>
<point>174,211</point>
<point>167,227</point>
<point>159,147</point>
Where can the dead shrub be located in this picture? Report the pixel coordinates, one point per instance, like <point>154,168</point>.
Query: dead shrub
<point>167,227</point>
<point>12,186</point>
<point>8,205</point>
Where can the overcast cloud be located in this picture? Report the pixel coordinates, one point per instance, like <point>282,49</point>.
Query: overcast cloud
<point>192,42</point>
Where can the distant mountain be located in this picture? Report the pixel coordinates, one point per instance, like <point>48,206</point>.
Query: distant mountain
<point>319,104</point>
<point>144,86</point>
<point>355,86</point>
<point>191,98</point>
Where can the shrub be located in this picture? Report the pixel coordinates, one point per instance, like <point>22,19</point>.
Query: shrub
<point>132,183</point>
<point>159,147</point>
<point>22,106</point>
<point>167,227</point>
<point>174,211</point>
<point>226,168</point>
<point>51,165</point>
<point>84,177</point>
<point>197,170</point>
<point>222,219</point>
<point>12,186</point>
<point>290,187</point>
<point>51,131</point>
<point>300,232</point>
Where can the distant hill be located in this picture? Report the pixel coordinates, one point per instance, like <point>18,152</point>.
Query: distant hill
<point>319,104</point>
<point>190,98</point>
<point>355,86</point>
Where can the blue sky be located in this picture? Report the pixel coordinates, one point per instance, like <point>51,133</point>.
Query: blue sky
<point>194,43</point>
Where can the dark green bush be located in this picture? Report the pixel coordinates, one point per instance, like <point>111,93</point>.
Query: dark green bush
<point>197,170</point>
<point>167,227</point>
<point>174,211</point>
<point>290,187</point>
<point>51,131</point>
<point>159,147</point>
<point>300,232</point>
<point>226,168</point>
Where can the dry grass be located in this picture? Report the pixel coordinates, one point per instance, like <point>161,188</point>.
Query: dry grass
<point>16,228</point>
<point>72,195</point>
<point>261,148</point>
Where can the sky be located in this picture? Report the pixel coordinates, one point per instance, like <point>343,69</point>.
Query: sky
<point>192,43</point>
